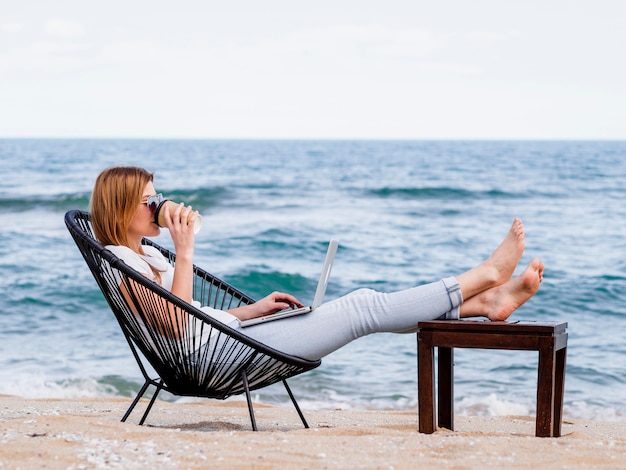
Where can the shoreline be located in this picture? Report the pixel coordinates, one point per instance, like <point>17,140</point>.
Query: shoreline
<point>87,433</point>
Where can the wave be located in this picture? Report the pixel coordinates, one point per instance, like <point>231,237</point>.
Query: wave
<point>443,193</point>
<point>34,386</point>
<point>114,386</point>
<point>200,198</point>
<point>258,284</point>
<point>56,202</point>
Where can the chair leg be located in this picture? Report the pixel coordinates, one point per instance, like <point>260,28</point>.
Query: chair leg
<point>136,400</point>
<point>244,378</point>
<point>156,392</point>
<point>295,404</point>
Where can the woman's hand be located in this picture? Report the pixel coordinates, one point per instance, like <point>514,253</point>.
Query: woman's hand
<point>275,302</point>
<point>180,221</point>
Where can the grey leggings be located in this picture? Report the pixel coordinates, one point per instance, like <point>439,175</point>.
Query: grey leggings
<point>360,313</point>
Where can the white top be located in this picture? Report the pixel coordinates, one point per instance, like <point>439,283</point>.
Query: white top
<point>153,257</point>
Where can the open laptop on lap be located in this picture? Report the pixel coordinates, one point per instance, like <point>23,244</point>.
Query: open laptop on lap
<point>320,292</point>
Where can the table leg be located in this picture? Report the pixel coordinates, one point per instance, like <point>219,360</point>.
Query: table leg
<point>546,388</point>
<point>445,381</point>
<point>559,391</point>
<point>425,386</point>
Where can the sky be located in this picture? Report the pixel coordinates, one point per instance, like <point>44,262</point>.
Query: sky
<point>274,69</point>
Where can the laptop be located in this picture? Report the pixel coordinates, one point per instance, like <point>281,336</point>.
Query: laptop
<point>320,292</point>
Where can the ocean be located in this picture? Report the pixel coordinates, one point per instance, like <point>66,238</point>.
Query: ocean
<point>405,213</point>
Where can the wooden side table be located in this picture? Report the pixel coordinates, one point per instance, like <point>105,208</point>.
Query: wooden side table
<point>548,338</point>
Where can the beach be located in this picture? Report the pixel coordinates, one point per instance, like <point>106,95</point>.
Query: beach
<point>433,209</point>
<point>411,135</point>
<point>87,433</point>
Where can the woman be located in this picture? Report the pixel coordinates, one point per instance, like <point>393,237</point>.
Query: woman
<point>122,217</point>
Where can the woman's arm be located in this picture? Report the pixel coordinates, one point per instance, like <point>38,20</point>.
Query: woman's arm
<point>181,227</point>
<point>182,234</point>
<point>273,303</point>
<point>181,224</point>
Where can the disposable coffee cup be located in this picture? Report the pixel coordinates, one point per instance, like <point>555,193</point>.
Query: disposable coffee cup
<point>159,215</point>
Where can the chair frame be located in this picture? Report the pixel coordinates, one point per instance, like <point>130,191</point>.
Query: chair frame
<point>252,365</point>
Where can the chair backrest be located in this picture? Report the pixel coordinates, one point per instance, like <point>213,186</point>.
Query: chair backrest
<point>193,353</point>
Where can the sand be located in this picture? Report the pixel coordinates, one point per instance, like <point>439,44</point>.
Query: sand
<point>87,433</point>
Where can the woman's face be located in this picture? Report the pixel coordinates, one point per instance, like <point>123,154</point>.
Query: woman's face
<point>143,222</point>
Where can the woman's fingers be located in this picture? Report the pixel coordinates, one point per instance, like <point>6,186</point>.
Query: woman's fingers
<point>286,298</point>
<point>183,215</point>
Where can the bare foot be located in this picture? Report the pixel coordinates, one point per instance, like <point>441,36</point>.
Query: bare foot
<point>512,295</point>
<point>504,259</point>
<point>498,303</point>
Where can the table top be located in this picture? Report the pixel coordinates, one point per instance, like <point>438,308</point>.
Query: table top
<point>486,326</point>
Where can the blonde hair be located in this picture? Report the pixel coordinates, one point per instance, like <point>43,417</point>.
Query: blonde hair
<point>114,200</point>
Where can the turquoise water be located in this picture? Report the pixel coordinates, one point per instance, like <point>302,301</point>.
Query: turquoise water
<point>405,213</point>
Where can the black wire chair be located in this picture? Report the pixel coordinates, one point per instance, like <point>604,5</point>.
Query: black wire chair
<point>230,364</point>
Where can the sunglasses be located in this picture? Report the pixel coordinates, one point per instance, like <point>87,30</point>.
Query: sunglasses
<point>153,202</point>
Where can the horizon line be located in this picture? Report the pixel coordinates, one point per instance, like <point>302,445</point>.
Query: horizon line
<point>329,139</point>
